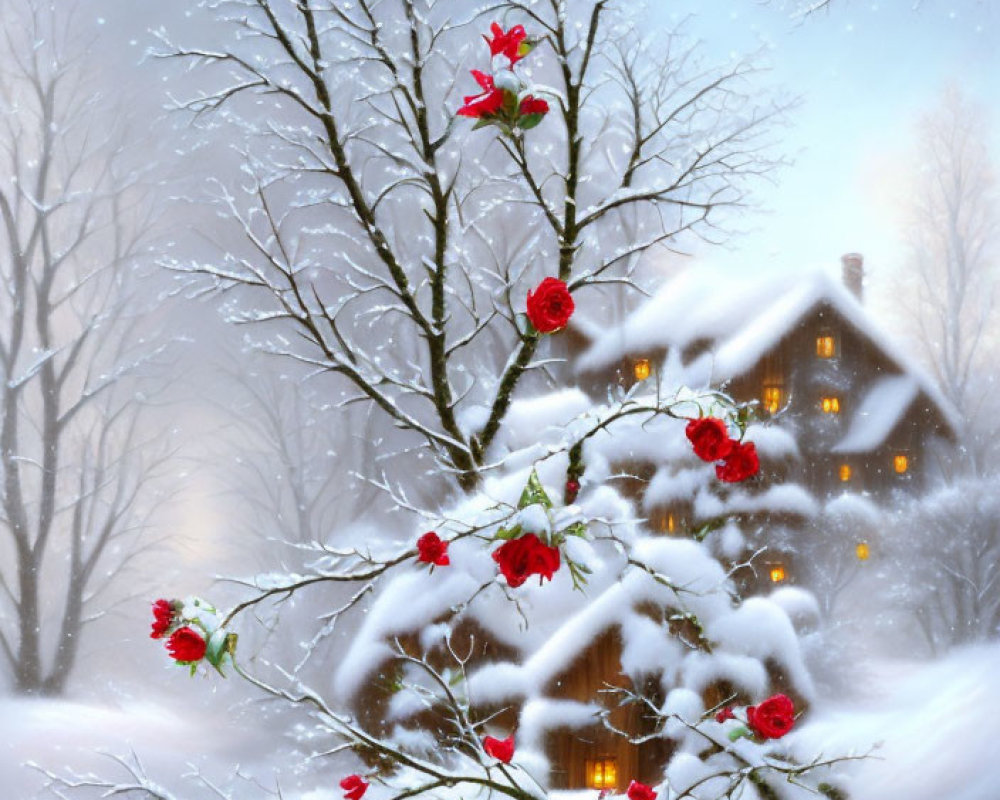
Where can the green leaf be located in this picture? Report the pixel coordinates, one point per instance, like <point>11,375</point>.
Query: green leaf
<point>578,529</point>
<point>534,493</point>
<point>508,533</point>
<point>482,122</point>
<point>701,532</point>
<point>510,103</point>
<point>578,572</point>
<point>740,733</point>
<point>529,121</point>
<point>215,649</point>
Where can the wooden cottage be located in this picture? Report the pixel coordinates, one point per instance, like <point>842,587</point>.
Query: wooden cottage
<point>865,416</point>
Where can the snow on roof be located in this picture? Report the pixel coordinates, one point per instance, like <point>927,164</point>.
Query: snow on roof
<point>787,498</point>
<point>744,317</point>
<point>685,562</point>
<point>760,628</point>
<point>854,508</point>
<point>697,304</point>
<point>879,412</point>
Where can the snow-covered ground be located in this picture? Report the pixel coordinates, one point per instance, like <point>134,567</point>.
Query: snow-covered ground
<point>172,740</point>
<point>938,724</point>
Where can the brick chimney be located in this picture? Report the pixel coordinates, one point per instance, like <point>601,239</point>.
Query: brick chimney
<point>854,273</point>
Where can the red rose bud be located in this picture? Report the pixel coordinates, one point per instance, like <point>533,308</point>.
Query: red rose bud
<point>354,787</point>
<point>640,791</point>
<point>710,438</point>
<point>500,749</point>
<point>163,617</point>
<point>525,556</point>
<point>550,306</point>
<point>572,490</point>
<point>533,105</point>
<point>432,550</point>
<point>485,104</point>
<point>773,718</point>
<point>740,464</point>
<point>510,43</point>
<point>186,644</point>
<point>725,713</point>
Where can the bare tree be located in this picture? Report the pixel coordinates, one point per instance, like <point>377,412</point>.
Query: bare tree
<point>943,564</point>
<point>295,457</point>
<point>953,234</point>
<point>72,449</point>
<point>361,201</point>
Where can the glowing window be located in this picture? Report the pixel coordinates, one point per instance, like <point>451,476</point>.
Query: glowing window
<point>777,573</point>
<point>671,522</point>
<point>641,369</point>
<point>602,773</point>
<point>772,399</point>
<point>900,463</point>
<point>831,405</point>
<point>826,346</point>
<point>861,551</point>
<point>844,472</point>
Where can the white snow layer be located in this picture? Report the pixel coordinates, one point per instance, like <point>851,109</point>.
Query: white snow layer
<point>878,413</point>
<point>742,318</point>
<point>937,722</point>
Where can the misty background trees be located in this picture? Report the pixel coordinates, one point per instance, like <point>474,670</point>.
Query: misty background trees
<point>953,234</point>
<point>74,346</point>
<point>940,565</point>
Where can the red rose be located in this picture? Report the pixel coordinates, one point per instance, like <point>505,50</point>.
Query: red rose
<point>550,306</point>
<point>354,786</point>
<point>186,644</point>
<point>432,550</point>
<point>525,556</point>
<point>509,42</point>
<point>710,438</point>
<point>485,104</point>
<point>740,464</point>
<point>640,791</point>
<point>500,749</point>
<point>773,718</point>
<point>724,714</point>
<point>533,105</point>
<point>163,617</point>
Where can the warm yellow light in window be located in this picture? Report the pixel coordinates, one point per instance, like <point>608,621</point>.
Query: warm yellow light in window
<point>671,523</point>
<point>861,551</point>
<point>831,405</point>
<point>602,773</point>
<point>900,463</point>
<point>771,399</point>
<point>845,472</point>
<point>825,346</point>
<point>641,369</point>
<point>777,573</point>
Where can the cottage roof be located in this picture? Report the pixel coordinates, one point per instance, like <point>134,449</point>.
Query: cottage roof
<point>743,317</point>
<point>878,413</point>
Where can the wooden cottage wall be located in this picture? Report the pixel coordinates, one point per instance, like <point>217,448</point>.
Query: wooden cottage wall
<point>569,750</point>
<point>371,705</point>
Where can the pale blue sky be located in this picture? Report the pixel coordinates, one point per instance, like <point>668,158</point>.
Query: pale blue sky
<point>865,72</point>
